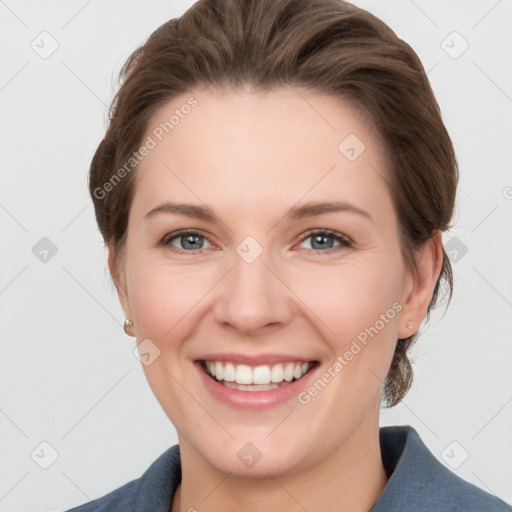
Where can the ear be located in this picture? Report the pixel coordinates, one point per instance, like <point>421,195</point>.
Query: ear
<point>119,278</point>
<point>419,286</point>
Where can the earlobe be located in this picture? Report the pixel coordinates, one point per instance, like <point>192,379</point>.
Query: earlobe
<point>420,286</point>
<point>128,327</point>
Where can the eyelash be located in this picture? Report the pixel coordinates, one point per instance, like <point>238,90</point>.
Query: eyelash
<point>342,239</point>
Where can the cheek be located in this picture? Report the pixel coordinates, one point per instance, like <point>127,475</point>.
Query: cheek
<point>357,303</point>
<point>164,296</point>
<point>164,300</point>
<point>350,297</point>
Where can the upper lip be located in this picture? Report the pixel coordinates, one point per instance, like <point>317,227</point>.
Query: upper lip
<point>254,360</point>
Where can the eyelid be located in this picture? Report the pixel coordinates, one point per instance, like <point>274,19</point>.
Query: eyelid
<point>344,240</point>
<point>328,232</point>
<point>165,241</point>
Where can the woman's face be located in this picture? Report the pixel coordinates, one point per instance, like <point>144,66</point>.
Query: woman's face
<point>268,282</point>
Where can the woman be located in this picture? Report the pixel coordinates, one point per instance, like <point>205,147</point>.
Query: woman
<point>272,188</point>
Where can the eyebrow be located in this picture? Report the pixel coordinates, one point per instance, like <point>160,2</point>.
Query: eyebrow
<point>310,209</point>
<point>189,210</point>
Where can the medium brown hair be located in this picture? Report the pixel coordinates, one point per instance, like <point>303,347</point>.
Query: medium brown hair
<point>326,46</point>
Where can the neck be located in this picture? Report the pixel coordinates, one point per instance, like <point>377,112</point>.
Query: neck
<point>350,478</point>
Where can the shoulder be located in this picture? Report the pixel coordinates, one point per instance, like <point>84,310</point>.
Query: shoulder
<point>153,491</point>
<point>419,482</point>
<point>120,499</point>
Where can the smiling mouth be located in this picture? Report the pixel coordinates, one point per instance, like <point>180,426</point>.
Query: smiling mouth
<point>256,378</point>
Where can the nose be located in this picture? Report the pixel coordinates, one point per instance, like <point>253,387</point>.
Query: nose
<point>253,297</point>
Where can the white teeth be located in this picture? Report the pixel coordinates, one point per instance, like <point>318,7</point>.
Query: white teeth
<point>229,372</point>
<point>259,375</point>
<point>251,387</point>
<point>277,374</point>
<point>243,374</point>
<point>288,372</point>
<point>219,371</point>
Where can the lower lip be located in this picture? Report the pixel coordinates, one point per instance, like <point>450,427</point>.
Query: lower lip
<point>253,399</point>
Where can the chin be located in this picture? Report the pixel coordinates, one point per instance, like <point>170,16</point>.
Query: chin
<point>253,453</point>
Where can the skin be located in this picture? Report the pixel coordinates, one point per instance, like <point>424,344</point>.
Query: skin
<point>250,156</point>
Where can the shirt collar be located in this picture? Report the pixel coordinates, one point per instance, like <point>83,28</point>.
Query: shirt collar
<point>415,475</point>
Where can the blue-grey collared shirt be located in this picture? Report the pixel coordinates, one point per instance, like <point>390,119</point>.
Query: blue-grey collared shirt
<point>418,482</point>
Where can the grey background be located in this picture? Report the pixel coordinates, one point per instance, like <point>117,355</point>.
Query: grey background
<point>69,375</point>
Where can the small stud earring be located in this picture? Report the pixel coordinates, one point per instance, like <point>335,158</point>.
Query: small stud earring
<point>127,325</point>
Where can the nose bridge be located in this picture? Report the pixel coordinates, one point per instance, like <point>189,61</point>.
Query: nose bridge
<point>252,296</point>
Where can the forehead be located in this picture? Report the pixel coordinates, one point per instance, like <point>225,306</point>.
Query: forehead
<point>246,149</point>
